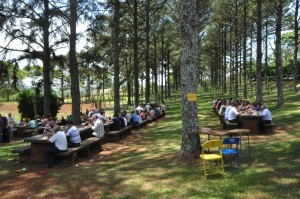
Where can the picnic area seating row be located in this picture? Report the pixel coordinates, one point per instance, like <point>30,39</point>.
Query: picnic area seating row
<point>88,146</point>
<point>117,135</point>
<point>268,128</point>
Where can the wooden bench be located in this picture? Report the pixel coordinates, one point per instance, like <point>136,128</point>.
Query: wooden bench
<point>269,128</point>
<point>230,126</point>
<point>116,135</point>
<point>144,122</point>
<point>90,145</point>
<point>24,152</point>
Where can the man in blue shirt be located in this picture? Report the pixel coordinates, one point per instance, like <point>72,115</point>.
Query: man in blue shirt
<point>73,135</point>
<point>134,118</point>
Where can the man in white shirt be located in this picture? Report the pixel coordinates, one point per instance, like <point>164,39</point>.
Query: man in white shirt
<point>227,111</point>
<point>60,145</point>
<point>233,113</point>
<point>11,122</point>
<point>266,118</point>
<point>97,127</point>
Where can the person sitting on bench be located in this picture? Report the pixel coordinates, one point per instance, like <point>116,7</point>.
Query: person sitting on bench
<point>60,145</point>
<point>233,113</point>
<point>266,118</point>
<point>73,135</point>
<point>97,127</point>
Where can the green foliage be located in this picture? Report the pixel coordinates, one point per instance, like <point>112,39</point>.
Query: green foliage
<point>26,108</point>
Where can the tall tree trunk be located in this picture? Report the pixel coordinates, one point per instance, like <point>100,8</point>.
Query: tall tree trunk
<point>155,69</point>
<point>162,65</point>
<point>73,65</point>
<point>190,145</point>
<point>296,66</point>
<point>245,50</point>
<point>147,96</point>
<point>135,55</point>
<point>266,57</point>
<point>128,82</point>
<point>62,88</point>
<point>230,64</point>
<point>46,60</point>
<point>236,48</point>
<point>259,52</point>
<point>168,79</point>
<point>224,57</point>
<point>278,54</point>
<point>116,41</point>
<point>251,55</point>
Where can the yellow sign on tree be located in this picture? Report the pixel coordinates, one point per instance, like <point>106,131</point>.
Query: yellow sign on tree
<point>192,97</point>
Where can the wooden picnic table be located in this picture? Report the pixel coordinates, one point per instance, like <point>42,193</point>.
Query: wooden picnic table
<point>40,142</point>
<point>221,133</point>
<point>211,132</point>
<point>250,122</point>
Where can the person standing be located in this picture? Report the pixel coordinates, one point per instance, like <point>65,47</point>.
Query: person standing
<point>73,135</point>
<point>60,145</point>
<point>11,122</point>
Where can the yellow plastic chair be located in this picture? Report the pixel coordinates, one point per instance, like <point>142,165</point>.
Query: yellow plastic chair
<point>214,155</point>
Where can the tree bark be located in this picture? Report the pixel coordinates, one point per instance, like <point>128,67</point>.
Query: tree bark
<point>116,41</point>
<point>245,50</point>
<point>296,67</point>
<point>147,95</point>
<point>135,49</point>
<point>190,145</point>
<point>259,52</point>
<point>73,65</point>
<point>155,69</point>
<point>46,60</point>
<point>236,55</point>
<point>278,53</point>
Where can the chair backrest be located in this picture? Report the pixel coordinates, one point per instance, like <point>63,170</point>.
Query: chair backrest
<point>212,144</point>
<point>231,141</point>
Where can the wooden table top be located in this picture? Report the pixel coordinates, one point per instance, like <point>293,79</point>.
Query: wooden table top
<point>238,131</point>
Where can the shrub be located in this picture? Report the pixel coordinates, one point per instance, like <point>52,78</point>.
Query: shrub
<point>26,108</point>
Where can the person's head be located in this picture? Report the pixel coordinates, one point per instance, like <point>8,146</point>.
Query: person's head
<point>94,117</point>
<point>69,123</point>
<point>234,104</point>
<point>52,123</point>
<point>9,114</point>
<point>263,107</point>
<point>56,128</point>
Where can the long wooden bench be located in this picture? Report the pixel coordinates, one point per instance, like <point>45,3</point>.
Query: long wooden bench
<point>269,128</point>
<point>90,145</point>
<point>116,135</point>
<point>144,122</point>
<point>24,152</point>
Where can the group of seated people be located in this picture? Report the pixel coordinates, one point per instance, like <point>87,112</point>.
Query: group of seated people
<point>95,119</point>
<point>234,107</point>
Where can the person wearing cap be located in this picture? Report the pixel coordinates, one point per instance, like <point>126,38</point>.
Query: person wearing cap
<point>73,135</point>
<point>97,127</point>
<point>60,145</point>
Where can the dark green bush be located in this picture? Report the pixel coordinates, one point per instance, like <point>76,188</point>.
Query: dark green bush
<point>26,109</point>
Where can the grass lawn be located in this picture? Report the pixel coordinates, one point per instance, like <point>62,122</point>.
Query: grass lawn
<point>146,165</point>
